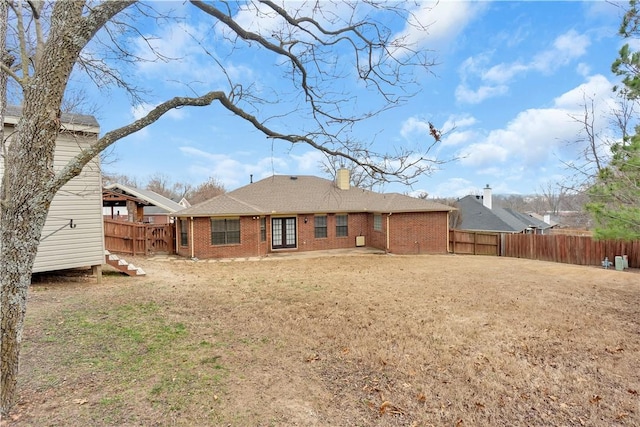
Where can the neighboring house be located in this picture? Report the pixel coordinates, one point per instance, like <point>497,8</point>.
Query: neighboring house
<point>552,220</point>
<point>139,205</point>
<point>477,214</point>
<point>307,213</point>
<point>72,236</point>
<point>184,203</point>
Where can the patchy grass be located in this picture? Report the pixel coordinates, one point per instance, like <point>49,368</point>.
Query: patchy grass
<point>362,340</point>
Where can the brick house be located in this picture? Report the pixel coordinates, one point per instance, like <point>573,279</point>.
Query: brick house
<point>307,213</point>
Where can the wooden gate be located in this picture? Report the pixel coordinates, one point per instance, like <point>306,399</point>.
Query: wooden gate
<point>474,242</point>
<point>138,239</point>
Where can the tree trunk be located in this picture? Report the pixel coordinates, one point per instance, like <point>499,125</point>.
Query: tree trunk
<point>26,195</point>
<point>24,211</point>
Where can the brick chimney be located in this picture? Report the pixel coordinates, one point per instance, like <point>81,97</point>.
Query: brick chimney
<point>486,198</point>
<point>342,178</point>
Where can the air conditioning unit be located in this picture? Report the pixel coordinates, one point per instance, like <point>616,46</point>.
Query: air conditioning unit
<point>359,241</point>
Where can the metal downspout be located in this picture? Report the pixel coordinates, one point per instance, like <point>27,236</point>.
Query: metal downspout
<point>388,216</point>
<point>177,233</point>
<point>192,238</point>
<point>448,240</point>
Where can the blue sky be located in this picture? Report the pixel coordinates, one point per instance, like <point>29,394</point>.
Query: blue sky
<point>509,78</point>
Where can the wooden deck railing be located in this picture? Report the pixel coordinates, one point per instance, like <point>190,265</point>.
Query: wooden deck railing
<point>138,239</point>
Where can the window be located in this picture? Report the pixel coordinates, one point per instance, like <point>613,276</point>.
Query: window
<point>377,222</point>
<point>342,229</point>
<point>184,232</point>
<point>225,231</point>
<point>263,229</point>
<point>320,222</point>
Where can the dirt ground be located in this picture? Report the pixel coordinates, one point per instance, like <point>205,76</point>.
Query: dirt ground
<point>337,340</point>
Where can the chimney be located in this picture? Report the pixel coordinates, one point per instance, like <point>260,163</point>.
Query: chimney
<point>343,178</point>
<point>486,198</point>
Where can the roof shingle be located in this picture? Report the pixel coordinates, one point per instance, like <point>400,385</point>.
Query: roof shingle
<point>304,194</point>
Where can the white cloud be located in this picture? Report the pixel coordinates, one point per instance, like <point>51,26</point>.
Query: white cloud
<point>503,73</point>
<point>186,53</point>
<point>596,87</point>
<point>583,69</point>
<point>459,138</point>
<point>413,126</point>
<point>566,48</point>
<point>443,22</point>
<point>483,153</point>
<point>231,172</point>
<point>469,96</point>
<point>535,135</point>
<point>492,81</point>
<point>458,122</point>
<point>456,187</point>
<point>634,44</point>
<point>309,161</point>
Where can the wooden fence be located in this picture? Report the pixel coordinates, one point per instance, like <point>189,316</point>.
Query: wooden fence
<point>581,250</point>
<point>474,242</point>
<point>138,239</point>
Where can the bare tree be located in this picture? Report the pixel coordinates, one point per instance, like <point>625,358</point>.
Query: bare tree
<point>311,45</point>
<point>358,176</point>
<point>110,178</point>
<point>370,178</point>
<point>161,184</point>
<point>205,191</point>
<point>594,141</point>
<point>552,196</point>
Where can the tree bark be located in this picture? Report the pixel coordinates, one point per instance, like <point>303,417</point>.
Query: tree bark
<point>28,168</point>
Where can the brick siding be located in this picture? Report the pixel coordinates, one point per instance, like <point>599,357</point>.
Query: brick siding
<point>410,233</point>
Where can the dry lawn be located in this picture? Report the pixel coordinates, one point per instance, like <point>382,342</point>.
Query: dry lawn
<point>365,340</point>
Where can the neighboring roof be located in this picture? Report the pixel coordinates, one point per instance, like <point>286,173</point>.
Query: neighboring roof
<point>476,216</point>
<point>553,219</point>
<point>167,205</point>
<point>532,221</point>
<point>14,112</point>
<point>284,194</point>
<point>118,198</point>
<point>184,203</point>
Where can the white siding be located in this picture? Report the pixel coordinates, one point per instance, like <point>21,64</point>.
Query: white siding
<point>80,200</point>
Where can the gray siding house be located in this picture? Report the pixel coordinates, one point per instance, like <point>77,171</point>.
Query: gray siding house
<point>73,233</point>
